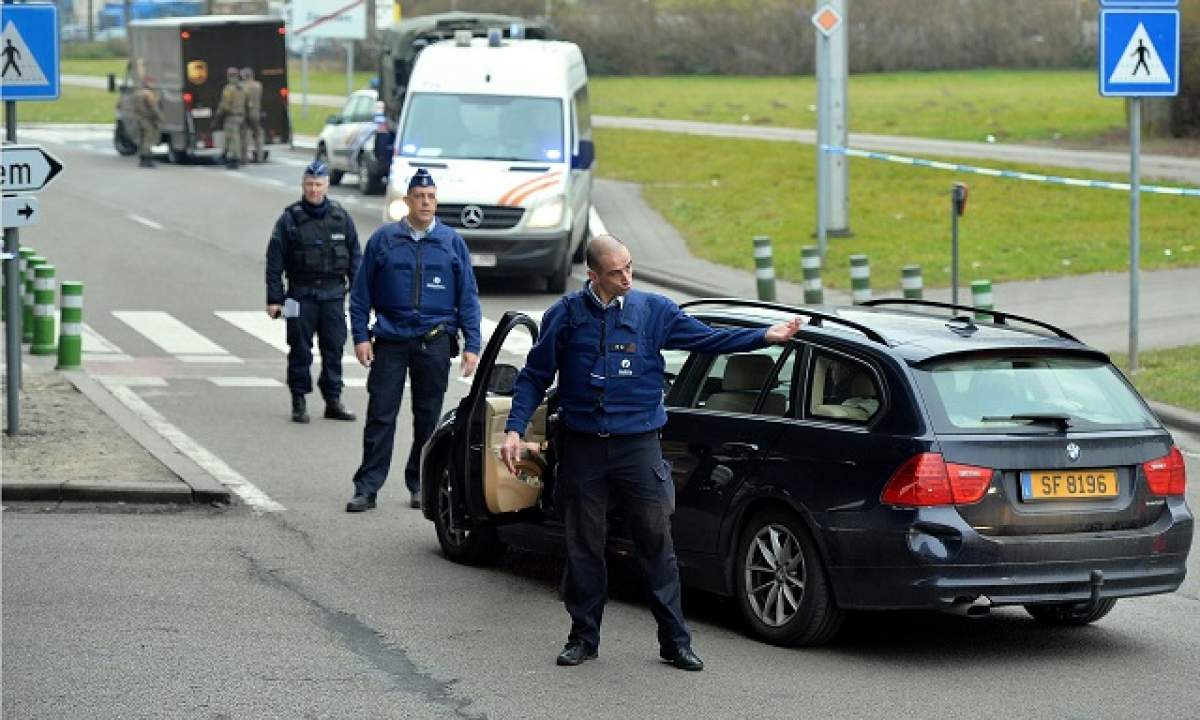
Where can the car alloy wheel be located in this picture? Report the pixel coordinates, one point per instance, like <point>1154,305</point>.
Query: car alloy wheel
<point>469,546</point>
<point>444,505</point>
<point>775,575</point>
<point>781,586</point>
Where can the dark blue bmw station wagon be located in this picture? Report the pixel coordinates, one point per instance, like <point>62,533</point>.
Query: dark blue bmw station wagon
<point>901,454</point>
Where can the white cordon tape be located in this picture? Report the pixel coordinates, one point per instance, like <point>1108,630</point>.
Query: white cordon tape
<point>1012,174</point>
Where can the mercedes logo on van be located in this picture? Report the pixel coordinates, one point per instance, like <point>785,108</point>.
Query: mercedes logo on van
<point>1072,452</point>
<point>472,216</point>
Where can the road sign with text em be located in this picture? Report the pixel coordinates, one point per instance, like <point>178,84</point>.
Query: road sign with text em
<point>26,168</point>
<point>1139,52</point>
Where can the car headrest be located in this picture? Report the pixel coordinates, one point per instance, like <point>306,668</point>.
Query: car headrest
<point>861,386</point>
<point>746,372</point>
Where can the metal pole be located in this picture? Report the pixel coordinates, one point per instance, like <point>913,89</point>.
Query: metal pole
<point>953,249</point>
<point>349,68</point>
<point>1135,208</point>
<point>304,80</point>
<point>822,141</point>
<point>15,295</point>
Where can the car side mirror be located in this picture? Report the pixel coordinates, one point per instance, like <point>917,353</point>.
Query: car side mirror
<point>585,157</point>
<point>334,120</point>
<point>503,380</point>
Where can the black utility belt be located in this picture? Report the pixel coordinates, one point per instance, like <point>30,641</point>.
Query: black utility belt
<point>612,436</point>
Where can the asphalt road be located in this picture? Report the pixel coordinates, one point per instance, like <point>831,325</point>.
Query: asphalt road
<point>122,612</point>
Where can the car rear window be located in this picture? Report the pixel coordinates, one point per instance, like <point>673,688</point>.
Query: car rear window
<point>1030,394</point>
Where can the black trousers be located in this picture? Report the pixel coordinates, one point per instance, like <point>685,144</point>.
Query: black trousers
<point>630,470</point>
<point>428,364</point>
<point>326,318</point>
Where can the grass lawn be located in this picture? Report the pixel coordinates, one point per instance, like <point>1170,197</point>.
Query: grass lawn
<point>74,105</point>
<point>1168,376</point>
<point>1013,106</point>
<point>721,193</point>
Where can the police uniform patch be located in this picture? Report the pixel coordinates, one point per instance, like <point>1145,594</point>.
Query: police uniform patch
<point>624,347</point>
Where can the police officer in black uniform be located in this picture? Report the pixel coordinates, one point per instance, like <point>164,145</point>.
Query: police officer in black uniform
<point>604,344</point>
<point>315,243</point>
<point>416,275</point>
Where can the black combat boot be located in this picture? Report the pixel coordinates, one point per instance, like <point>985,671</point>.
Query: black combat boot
<point>145,162</point>
<point>231,165</point>
<point>335,410</point>
<point>299,409</point>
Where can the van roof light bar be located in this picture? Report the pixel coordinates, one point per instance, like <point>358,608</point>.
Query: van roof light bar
<point>816,317</point>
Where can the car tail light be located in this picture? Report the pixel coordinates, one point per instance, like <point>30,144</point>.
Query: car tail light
<point>1166,475</point>
<point>187,100</point>
<point>927,479</point>
<point>282,30</point>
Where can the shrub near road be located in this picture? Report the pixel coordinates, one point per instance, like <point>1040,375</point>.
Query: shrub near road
<point>719,193</point>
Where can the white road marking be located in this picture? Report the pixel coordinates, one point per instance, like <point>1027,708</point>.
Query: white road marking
<point>146,221</point>
<point>595,224</point>
<point>272,332</point>
<point>133,380</point>
<point>227,476</point>
<point>173,336</point>
<point>245,382</point>
<point>98,348</point>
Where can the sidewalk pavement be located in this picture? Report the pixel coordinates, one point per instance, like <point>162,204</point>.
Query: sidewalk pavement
<point>78,443</point>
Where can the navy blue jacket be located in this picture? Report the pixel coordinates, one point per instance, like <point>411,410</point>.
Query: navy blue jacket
<point>414,285</point>
<point>610,368</point>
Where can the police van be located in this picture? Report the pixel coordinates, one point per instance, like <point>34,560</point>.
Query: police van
<point>504,127</point>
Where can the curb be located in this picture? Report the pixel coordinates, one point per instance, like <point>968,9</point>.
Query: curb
<point>677,283</point>
<point>1176,417</point>
<point>200,486</point>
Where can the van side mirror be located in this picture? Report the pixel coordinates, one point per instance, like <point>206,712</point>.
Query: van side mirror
<point>585,157</point>
<point>334,120</point>
<point>503,380</point>
<point>112,82</point>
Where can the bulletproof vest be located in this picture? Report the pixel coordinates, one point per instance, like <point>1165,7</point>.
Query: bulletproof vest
<point>317,248</point>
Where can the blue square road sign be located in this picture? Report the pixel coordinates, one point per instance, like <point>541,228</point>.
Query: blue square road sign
<point>1139,52</point>
<point>29,52</point>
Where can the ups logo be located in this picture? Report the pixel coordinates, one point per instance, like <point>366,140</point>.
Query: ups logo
<point>197,72</point>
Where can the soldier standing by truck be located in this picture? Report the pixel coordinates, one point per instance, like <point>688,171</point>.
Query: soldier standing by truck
<point>253,130</point>
<point>150,121</point>
<point>232,112</point>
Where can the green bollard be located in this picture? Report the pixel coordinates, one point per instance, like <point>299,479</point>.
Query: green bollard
<point>810,265</point>
<point>911,283</point>
<point>981,297</point>
<point>43,311</point>
<point>31,264</point>
<point>70,334</point>
<point>860,278</point>
<point>764,268</point>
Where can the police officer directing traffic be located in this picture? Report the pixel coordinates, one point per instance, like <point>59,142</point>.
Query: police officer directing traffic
<point>604,344</point>
<point>316,245</point>
<point>416,275</point>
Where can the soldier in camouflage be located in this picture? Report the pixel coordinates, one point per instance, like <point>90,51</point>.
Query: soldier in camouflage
<point>150,120</point>
<point>252,131</point>
<point>231,112</point>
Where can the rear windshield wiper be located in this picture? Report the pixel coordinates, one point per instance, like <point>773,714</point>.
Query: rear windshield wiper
<point>1059,420</point>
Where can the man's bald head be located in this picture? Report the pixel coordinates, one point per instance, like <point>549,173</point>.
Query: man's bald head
<point>598,247</point>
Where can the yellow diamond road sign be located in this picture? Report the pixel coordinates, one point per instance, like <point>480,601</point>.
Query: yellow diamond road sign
<point>827,20</point>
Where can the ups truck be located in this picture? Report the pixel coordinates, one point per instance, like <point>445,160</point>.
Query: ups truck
<point>186,58</point>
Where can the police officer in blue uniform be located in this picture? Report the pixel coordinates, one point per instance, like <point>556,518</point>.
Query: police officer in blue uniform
<point>416,275</point>
<point>604,344</point>
<point>316,245</point>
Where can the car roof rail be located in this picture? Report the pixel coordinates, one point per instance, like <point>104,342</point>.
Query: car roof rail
<point>999,317</point>
<point>816,317</point>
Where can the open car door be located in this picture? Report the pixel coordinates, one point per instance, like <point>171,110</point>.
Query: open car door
<point>478,492</point>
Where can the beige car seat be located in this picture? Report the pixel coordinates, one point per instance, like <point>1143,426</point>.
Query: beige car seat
<point>502,491</point>
<point>745,376</point>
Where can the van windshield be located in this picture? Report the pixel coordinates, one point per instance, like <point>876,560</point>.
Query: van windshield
<point>483,127</point>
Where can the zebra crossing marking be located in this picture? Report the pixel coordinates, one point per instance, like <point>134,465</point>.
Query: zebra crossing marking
<point>176,338</point>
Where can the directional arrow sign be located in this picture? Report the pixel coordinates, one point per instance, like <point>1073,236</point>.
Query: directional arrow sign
<point>26,168</point>
<point>20,211</point>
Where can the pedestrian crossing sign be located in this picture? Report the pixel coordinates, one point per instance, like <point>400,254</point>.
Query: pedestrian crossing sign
<point>1139,52</point>
<point>29,52</point>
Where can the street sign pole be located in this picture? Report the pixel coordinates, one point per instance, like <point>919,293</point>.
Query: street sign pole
<point>1135,209</point>
<point>12,325</point>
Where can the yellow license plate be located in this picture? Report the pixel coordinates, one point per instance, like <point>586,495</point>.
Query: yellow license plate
<point>1068,484</point>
